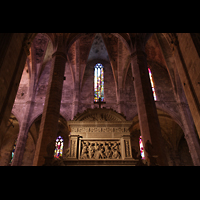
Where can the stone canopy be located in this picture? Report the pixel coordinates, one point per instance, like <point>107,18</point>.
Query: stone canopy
<point>99,123</point>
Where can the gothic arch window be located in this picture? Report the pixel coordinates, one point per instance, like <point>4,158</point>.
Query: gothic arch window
<point>59,147</point>
<point>141,147</point>
<point>13,151</point>
<point>98,82</point>
<point>152,85</point>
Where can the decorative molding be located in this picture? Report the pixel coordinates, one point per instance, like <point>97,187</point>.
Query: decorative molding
<point>99,114</point>
<point>100,117</point>
<point>173,39</point>
<point>27,42</point>
<point>98,149</point>
<point>99,129</point>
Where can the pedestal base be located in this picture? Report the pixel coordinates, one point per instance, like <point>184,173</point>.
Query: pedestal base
<point>102,162</point>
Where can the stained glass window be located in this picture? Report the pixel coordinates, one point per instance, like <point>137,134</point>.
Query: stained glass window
<point>98,82</point>
<point>13,151</point>
<point>152,84</point>
<point>58,147</point>
<point>141,147</point>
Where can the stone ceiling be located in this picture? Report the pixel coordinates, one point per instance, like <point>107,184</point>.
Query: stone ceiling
<point>98,49</point>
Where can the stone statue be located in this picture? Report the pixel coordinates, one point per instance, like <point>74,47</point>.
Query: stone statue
<point>90,151</point>
<point>134,153</point>
<point>101,151</point>
<point>84,150</point>
<point>97,152</point>
<point>149,149</point>
<point>107,151</point>
<point>50,149</point>
<point>115,150</point>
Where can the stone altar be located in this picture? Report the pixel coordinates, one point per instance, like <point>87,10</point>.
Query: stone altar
<point>99,137</point>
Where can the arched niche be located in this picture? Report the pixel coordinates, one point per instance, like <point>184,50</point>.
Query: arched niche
<point>10,136</point>
<point>33,134</point>
<point>175,145</point>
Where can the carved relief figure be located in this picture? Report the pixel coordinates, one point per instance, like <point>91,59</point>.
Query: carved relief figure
<point>84,150</point>
<point>100,150</point>
<point>97,152</point>
<point>115,150</point>
<point>90,151</point>
<point>107,151</point>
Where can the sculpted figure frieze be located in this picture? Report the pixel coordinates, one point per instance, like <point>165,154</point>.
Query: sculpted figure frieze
<point>100,150</point>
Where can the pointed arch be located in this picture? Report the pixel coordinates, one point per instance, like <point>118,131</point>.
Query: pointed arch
<point>126,68</point>
<point>166,50</point>
<point>87,51</point>
<point>9,141</point>
<point>113,62</point>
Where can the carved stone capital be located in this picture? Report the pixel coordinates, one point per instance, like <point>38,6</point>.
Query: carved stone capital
<point>26,46</point>
<point>27,42</point>
<point>173,41</point>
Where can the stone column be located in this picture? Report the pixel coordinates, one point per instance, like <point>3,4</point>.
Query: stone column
<point>147,113</point>
<point>188,124</point>
<point>74,143</point>
<point>190,135</point>
<point>12,61</point>
<point>23,133</point>
<point>120,101</point>
<point>126,147</point>
<point>186,81</point>
<point>76,93</point>
<point>51,112</point>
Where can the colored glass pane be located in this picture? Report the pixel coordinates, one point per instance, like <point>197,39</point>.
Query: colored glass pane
<point>13,151</point>
<point>98,82</point>
<point>58,147</point>
<point>152,84</point>
<point>141,147</point>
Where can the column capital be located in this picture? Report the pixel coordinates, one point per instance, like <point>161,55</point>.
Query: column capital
<point>26,46</point>
<point>60,53</point>
<point>138,53</point>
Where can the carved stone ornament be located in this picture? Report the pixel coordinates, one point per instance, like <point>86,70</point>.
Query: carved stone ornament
<point>100,150</point>
<point>100,115</point>
<point>99,129</point>
<point>27,42</point>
